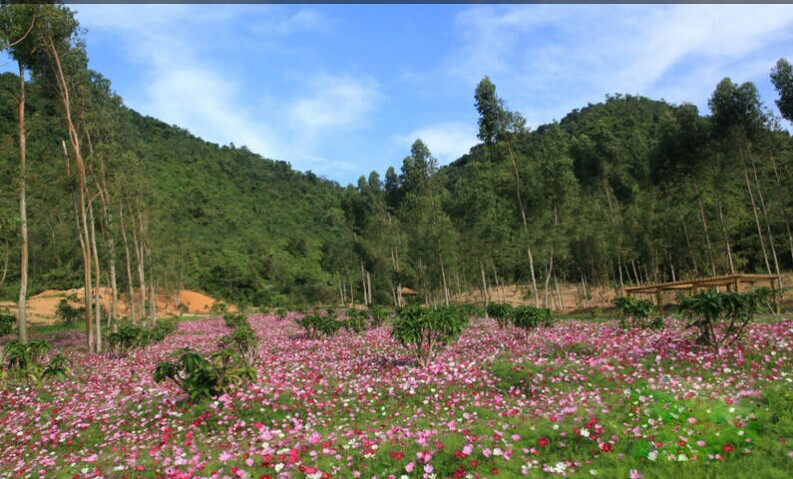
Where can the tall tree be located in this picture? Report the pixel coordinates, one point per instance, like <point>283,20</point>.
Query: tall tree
<point>497,124</point>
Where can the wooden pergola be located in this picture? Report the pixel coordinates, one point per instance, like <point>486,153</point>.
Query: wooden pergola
<point>730,282</point>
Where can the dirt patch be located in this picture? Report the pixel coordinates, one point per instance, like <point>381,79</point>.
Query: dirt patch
<point>567,298</point>
<point>43,306</point>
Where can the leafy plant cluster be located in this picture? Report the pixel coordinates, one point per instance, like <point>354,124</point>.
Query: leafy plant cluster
<point>129,336</point>
<point>224,370</point>
<point>242,341</point>
<point>67,313</point>
<point>637,313</point>
<point>24,361</point>
<point>425,332</point>
<point>721,318</point>
<point>524,317</point>
<point>7,321</point>
<point>319,325</point>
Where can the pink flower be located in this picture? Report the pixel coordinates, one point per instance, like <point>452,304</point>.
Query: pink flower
<point>692,420</point>
<point>428,468</point>
<point>701,443</point>
<point>410,466</point>
<point>634,474</point>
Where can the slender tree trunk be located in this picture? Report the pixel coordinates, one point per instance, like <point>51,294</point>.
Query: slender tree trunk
<point>688,244</point>
<point>705,228</point>
<point>74,140</point>
<point>765,216</point>
<point>137,246</point>
<point>525,225</point>
<point>369,286</point>
<point>96,293</point>
<point>726,239</point>
<point>757,222</point>
<point>363,285</point>
<point>131,300</point>
<point>5,263</point>
<point>152,299</point>
<point>784,208</point>
<point>22,320</point>
<point>484,285</point>
<point>445,286</point>
<point>341,291</point>
<point>619,242</point>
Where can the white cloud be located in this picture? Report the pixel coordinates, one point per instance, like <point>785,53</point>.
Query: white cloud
<point>447,141</point>
<point>335,102</point>
<point>548,59</point>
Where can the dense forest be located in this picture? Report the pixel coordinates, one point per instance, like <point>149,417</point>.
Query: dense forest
<point>630,190</point>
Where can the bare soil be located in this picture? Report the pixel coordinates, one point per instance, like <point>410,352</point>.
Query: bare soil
<point>42,307</point>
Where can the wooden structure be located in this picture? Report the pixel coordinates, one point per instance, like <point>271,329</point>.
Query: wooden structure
<point>730,282</point>
<point>408,292</point>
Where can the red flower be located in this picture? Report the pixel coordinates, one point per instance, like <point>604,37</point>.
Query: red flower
<point>474,463</point>
<point>397,454</point>
<point>460,454</point>
<point>542,442</point>
<point>605,447</point>
<point>727,448</point>
<point>494,471</point>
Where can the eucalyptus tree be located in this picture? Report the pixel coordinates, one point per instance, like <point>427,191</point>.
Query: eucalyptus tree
<point>496,127</point>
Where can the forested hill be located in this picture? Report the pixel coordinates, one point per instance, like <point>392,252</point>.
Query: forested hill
<point>219,219</point>
<point>625,191</point>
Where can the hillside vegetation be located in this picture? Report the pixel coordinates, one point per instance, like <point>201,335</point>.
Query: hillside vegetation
<point>624,191</point>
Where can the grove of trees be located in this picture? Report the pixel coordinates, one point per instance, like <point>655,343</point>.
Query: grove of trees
<point>626,191</point>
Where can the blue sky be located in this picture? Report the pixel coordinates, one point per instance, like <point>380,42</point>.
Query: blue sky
<point>343,90</point>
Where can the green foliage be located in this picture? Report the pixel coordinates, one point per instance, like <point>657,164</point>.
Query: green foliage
<point>218,308</point>
<point>7,322</point>
<point>128,336</point>
<point>58,367</point>
<point>355,321</point>
<point>68,313</point>
<point>281,313</point>
<point>636,313</point>
<point>377,316</point>
<point>425,332</point>
<point>244,341</point>
<point>317,326</point>
<point>529,317</point>
<point>721,318</point>
<point>235,320</point>
<point>501,312</point>
<point>203,378</point>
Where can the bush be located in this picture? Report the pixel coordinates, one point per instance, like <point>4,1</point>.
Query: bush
<point>281,313</point>
<point>355,321</point>
<point>731,311</point>
<point>235,320</point>
<point>129,336</point>
<point>7,322</point>
<point>24,360</point>
<point>243,340</point>
<point>636,313</point>
<point>68,313</point>
<point>377,316</point>
<point>425,332</point>
<point>317,325</point>
<point>500,312</point>
<point>202,378</point>
<point>529,317</point>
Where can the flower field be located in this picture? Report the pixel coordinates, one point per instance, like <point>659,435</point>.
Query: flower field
<point>578,399</point>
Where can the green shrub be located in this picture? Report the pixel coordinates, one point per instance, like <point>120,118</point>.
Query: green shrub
<point>242,340</point>
<point>377,316</point>
<point>636,313</point>
<point>730,310</point>
<point>425,332</point>
<point>529,317</point>
<point>202,378</point>
<point>317,325</point>
<point>68,313</point>
<point>355,321</point>
<point>500,312</point>
<point>235,320</point>
<point>281,313</point>
<point>7,322</point>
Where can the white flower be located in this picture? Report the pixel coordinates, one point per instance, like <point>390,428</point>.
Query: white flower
<point>652,455</point>
<point>585,433</point>
<point>682,457</point>
<point>278,467</point>
<point>594,472</point>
